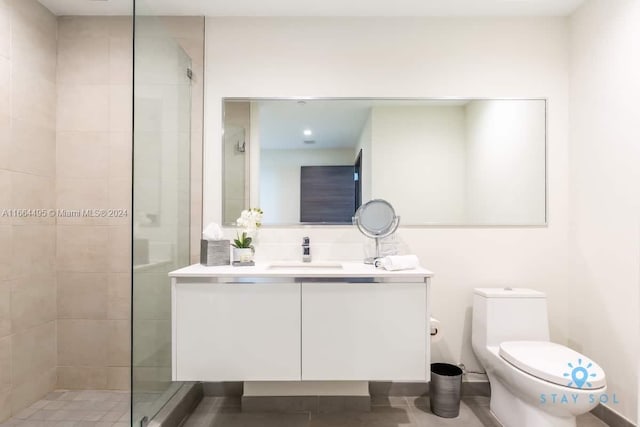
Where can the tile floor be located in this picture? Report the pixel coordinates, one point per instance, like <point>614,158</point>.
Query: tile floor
<point>96,408</point>
<point>63,408</point>
<point>385,412</point>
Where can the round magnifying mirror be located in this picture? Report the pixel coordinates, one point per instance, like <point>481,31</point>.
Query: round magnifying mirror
<point>376,219</point>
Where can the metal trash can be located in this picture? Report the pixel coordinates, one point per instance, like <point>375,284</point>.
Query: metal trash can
<point>445,389</point>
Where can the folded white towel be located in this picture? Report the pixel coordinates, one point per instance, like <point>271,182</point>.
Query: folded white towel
<point>398,262</point>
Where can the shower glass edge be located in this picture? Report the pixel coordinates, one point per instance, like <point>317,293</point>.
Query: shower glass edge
<point>160,204</point>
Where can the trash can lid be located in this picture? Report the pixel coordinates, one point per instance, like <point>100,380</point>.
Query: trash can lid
<point>445,369</point>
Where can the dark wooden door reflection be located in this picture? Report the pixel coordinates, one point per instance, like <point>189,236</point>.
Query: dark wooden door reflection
<point>327,194</point>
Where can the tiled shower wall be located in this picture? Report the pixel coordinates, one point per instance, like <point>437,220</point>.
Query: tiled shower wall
<point>65,142</point>
<point>94,171</point>
<point>93,150</point>
<point>27,180</point>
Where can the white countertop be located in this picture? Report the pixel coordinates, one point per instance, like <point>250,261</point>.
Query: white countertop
<point>348,270</point>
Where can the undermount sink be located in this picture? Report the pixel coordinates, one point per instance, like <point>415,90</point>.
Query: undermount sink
<point>304,265</point>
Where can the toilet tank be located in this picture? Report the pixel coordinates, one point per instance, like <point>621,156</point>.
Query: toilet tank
<point>508,314</point>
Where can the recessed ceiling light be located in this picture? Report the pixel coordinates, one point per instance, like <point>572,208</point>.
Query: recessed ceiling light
<point>307,132</point>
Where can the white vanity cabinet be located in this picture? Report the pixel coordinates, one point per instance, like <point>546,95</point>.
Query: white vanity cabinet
<point>355,323</point>
<point>364,331</point>
<point>236,331</point>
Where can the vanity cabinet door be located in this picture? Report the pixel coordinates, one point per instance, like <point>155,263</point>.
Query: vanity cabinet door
<point>236,331</point>
<point>364,331</point>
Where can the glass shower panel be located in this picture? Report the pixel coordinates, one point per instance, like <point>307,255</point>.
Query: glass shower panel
<point>161,204</point>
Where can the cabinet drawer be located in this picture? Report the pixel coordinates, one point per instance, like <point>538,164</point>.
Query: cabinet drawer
<point>364,331</point>
<point>236,332</point>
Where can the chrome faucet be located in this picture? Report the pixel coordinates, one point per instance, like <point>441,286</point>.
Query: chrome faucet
<point>306,250</point>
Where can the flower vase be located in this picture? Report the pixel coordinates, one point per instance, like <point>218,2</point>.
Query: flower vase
<point>242,254</point>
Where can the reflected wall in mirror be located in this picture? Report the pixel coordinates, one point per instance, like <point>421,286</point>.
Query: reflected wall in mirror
<point>237,120</point>
<point>437,161</point>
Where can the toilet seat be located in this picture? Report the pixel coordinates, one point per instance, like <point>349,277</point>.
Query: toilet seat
<point>554,363</point>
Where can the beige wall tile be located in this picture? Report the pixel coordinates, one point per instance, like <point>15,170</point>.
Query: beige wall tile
<point>121,60</point>
<point>82,377</point>
<point>28,392</point>
<point>82,295</point>
<point>82,154</point>
<point>147,26</point>
<point>120,198</point>
<point>197,102</point>
<point>118,378</point>
<point>32,15</point>
<point>83,26</point>
<point>5,200</point>
<point>33,301</point>
<point>33,148</point>
<point>34,50</point>
<point>120,154</point>
<point>5,404</point>
<point>33,353</point>
<point>5,87</point>
<point>27,172</point>
<point>119,347</point>
<point>82,248</point>
<point>190,27</point>
<point>120,175</point>
<point>121,26</point>
<point>33,192</point>
<point>195,49</point>
<point>5,35</point>
<point>6,250</point>
<point>5,364</point>
<point>5,309</point>
<point>120,108</point>
<point>82,342</point>
<point>34,249</point>
<point>33,98</point>
<point>83,193</point>
<point>196,195</point>
<point>119,300</point>
<point>83,60</point>
<point>119,258</point>
<point>83,108</point>
<point>5,141</point>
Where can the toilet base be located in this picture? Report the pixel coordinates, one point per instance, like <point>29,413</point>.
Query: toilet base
<point>512,411</point>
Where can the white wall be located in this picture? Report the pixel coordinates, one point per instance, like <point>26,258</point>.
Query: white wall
<point>605,208</point>
<point>410,57</point>
<point>280,179</point>
<point>505,162</point>
<point>419,162</point>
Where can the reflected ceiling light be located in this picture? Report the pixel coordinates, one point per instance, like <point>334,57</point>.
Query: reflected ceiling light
<point>307,132</point>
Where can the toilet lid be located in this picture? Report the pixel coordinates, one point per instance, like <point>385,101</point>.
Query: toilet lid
<point>554,363</point>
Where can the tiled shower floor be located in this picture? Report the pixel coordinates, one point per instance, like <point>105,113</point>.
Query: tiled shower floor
<point>63,408</point>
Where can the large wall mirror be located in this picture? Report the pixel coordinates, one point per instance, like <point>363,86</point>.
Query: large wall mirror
<point>472,162</point>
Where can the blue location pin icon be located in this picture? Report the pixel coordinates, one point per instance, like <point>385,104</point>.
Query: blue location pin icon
<point>579,376</point>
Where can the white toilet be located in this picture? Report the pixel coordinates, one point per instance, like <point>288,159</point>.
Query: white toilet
<point>534,382</point>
